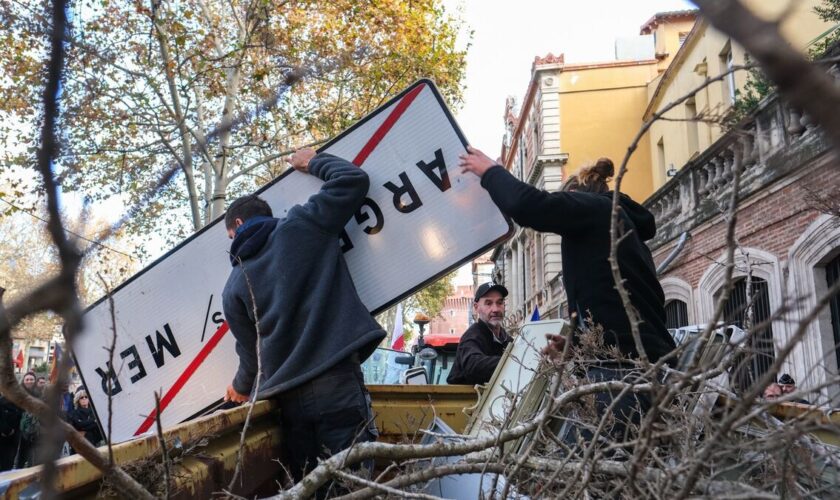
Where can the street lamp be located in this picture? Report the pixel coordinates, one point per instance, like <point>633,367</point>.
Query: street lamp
<point>421,320</point>
<point>420,350</point>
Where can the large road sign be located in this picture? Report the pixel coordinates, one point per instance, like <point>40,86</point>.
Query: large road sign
<point>422,218</point>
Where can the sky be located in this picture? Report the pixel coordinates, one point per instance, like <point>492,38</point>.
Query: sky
<point>508,35</point>
<point>504,43</point>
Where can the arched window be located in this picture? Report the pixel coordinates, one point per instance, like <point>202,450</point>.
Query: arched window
<point>676,314</point>
<point>832,276</point>
<point>813,268</point>
<point>750,309</point>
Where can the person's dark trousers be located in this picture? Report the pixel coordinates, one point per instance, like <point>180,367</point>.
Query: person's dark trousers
<point>325,416</point>
<point>26,454</point>
<point>8,451</point>
<point>627,409</point>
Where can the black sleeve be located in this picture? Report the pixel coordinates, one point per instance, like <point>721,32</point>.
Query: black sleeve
<point>477,366</point>
<point>561,213</point>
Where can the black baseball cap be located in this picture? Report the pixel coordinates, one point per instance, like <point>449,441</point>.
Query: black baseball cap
<point>488,287</point>
<point>786,379</point>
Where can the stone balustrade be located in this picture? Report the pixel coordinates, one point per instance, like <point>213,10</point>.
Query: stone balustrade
<point>775,140</point>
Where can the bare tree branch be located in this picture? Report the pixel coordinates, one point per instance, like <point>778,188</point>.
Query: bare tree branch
<point>805,84</point>
<point>257,377</point>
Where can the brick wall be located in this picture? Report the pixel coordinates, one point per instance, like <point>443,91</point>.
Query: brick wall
<point>456,312</point>
<point>771,221</point>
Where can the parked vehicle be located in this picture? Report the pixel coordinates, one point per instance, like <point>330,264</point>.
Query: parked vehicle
<point>435,357</point>
<point>722,336</point>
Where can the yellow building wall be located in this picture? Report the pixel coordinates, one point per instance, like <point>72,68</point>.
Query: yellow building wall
<point>600,113</point>
<point>703,57</point>
<point>668,39</point>
<point>801,25</point>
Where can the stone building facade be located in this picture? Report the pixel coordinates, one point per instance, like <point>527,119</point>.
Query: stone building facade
<point>788,250</point>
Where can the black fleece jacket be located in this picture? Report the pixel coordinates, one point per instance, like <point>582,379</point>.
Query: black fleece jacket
<point>477,356</point>
<point>583,222</point>
<point>84,421</point>
<point>310,316</point>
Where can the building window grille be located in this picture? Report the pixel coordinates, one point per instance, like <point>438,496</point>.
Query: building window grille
<point>760,351</point>
<point>832,276</point>
<point>676,314</point>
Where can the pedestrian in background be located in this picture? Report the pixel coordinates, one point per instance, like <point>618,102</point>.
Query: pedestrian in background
<point>30,426</point>
<point>83,419</point>
<point>10,416</point>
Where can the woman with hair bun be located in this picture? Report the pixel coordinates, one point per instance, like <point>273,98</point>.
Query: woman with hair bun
<point>581,213</point>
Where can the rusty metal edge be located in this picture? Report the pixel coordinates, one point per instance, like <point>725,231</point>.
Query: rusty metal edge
<point>75,472</point>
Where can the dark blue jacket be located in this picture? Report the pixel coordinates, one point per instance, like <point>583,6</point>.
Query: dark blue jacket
<point>310,316</point>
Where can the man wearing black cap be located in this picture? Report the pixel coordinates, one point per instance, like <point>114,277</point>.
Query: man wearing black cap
<point>788,386</point>
<point>483,343</point>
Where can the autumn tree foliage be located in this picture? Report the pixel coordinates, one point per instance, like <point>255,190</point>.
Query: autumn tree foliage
<point>146,81</point>
<point>27,258</point>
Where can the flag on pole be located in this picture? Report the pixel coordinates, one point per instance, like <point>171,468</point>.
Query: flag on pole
<point>397,336</point>
<point>19,359</point>
<point>55,361</point>
<point>536,315</point>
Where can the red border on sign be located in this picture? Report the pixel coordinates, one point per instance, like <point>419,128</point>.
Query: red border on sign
<point>211,344</point>
<point>389,122</point>
<point>185,376</point>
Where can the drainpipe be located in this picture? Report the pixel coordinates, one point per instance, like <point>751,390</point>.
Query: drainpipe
<point>674,253</point>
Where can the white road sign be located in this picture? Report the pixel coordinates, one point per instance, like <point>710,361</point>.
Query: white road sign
<point>422,218</point>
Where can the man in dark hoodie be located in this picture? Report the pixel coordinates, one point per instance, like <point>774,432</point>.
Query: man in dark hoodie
<point>291,289</point>
<point>580,214</point>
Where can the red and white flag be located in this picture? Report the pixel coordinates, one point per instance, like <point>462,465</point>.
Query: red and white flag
<point>398,337</point>
<point>19,359</point>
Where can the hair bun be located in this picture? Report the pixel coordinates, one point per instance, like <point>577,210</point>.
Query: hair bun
<point>604,168</point>
<point>599,173</point>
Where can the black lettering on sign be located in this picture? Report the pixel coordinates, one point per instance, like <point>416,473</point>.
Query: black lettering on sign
<point>116,388</point>
<point>361,216</point>
<point>346,244</point>
<point>441,180</point>
<point>218,319</point>
<point>168,343</point>
<point>206,316</point>
<point>134,363</point>
<point>406,189</point>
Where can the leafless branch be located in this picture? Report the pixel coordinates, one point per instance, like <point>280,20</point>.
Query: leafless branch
<point>616,233</point>
<point>167,465</point>
<point>111,350</point>
<point>257,378</point>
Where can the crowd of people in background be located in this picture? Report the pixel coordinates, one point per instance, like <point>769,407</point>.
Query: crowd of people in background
<point>20,431</point>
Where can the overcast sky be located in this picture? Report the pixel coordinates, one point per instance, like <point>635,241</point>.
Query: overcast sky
<point>507,35</point>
